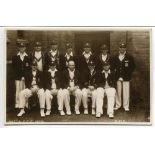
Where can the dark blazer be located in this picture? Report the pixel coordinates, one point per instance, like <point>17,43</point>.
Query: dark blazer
<point>48,59</point>
<point>88,79</point>
<point>20,67</point>
<point>32,57</point>
<point>29,78</point>
<point>124,68</point>
<point>64,61</point>
<point>48,80</point>
<point>66,79</point>
<point>101,80</point>
<point>82,63</point>
<point>100,63</point>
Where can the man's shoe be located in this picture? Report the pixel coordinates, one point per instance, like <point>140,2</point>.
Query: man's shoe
<point>98,115</point>
<point>86,111</point>
<point>93,111</point>
<point>77,112</point>
<point>126,109</point>
<point>42,113</point>
<point>69,112</point>
<point>21,113</point>
<point>48,112</point>
<point>62,113</point>
<point>111,116</point>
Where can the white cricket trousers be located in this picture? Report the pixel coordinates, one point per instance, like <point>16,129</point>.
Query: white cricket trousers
<point>88,93</point>
<point>110,92</point>
<point>78,97</point>
<point>20,85</point>
<point>49,94</point>
<point>26,93</point>
<point>123,87</point>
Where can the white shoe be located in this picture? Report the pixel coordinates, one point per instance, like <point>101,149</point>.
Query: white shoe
<point>126,109</point>
<point>93,111</point>
<point>111,116</point>
<point>68,112</point>
<point>98,115</point>
<point>62,113</point>
<point>48,112</point>
<point>77,112</point>
<point>21,113</point>
<point>86,111</point>
<point>42,114</point>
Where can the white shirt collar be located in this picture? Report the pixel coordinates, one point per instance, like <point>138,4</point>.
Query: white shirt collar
<point>90,53</point>
<point>52,71</point>
<point>71,54</point>
<point>104,55</point>
<point>106,72</point>
<point>24,54</point>
<point>51,51</point>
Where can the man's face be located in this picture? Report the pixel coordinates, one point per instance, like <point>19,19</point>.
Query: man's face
<point>22,49</point>
<point>106,68</point>
<point>38,48</point>
<point>122,50</point>
<point>104,52</point>
<point>87,49</point>
<point>71,65</point>
<point>52,67</point>
<point>54,47</point>
<point>91,67</point>
<point>69,50</point>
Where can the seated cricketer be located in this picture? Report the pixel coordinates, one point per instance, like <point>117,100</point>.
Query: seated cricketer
<point>71,85</point>
<point>89,87</point>
<point>34,85</point>
<point>105,83</point>
<point>53,88</point>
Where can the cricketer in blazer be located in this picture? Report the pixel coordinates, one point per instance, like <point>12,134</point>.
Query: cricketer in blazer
<point>101,79</point>
<point>83,64</point>
<point>20,67</point>
<point>88,79</point>
<point>29,78</point>
<point>32,58</point>
<point>124,68</point>
<point>48,80</point>
<point>66,79</point>
<point>100,63</point>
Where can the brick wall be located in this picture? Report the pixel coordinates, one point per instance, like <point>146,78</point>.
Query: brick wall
<point>138,43</point>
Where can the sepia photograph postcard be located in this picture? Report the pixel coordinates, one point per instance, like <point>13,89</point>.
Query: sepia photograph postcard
<point>78,75</point>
